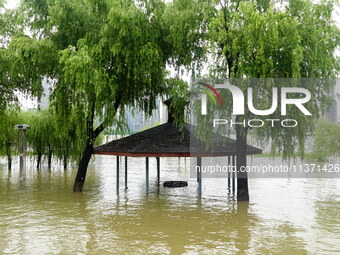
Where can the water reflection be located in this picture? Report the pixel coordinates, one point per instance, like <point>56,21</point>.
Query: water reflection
<point>40,214</point>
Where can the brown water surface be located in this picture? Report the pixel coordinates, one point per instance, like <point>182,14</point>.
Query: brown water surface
<point>40,215</point>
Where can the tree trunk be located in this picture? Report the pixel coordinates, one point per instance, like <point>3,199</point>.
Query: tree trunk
<point>82,169</point>
<point>65,162</point>
<point>88,151</point>
<point>49,158</point>
<point>39,160</point>
<point>9,160</point>
<point>241,160</point>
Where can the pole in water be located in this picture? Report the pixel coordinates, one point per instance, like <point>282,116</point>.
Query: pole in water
<point>22,128</point>
<point>229,167</point>
<point>198,168</point>
<point>233,174</point>
<point>199,175</point>
<point>117,175</point>
<point>158,170</point>
<point>147,175</point>
<point>126,173</point>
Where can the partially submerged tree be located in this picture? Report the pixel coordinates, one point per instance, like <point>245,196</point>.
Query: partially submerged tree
<point>41,137</point>
<point>47,141</point>
<point>8,134</point>
<point>101,55</point>
<point>264,39</point>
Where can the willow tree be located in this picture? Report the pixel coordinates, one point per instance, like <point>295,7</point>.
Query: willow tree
<point>101,56</point>
<point>11,62</point>
<point>8,135</point>
<point>8,111</point>
<point>41,137</point>
<point>269,39</point>
<point>6,92</point>
<point>68,144</point>
<point>47,141</point>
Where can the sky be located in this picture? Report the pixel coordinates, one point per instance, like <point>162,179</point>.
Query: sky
<point>12,3</point>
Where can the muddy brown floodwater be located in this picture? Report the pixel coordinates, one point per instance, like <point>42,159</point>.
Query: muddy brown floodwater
<point>40,214</point>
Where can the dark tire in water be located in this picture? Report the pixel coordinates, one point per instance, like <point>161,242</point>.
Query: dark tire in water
<point>175,184</point>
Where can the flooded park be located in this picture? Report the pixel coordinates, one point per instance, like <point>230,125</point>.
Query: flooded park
<point>169,127</point>
<point>41,215</point>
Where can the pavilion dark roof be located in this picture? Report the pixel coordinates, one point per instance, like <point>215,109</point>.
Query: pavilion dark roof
<point>168,141</point>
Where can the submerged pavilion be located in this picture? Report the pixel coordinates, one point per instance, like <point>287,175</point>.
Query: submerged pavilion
<point>167,140</point>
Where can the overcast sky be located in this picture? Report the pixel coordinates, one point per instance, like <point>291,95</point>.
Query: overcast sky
<point>12,3</point>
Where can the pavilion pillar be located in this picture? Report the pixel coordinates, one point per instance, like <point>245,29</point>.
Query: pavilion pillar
<point>229,167</point>
<point>147,175</point>
<point>199,175</point>
<point>197,172</point>
<point>117,175</point>
<point>126,172</point>
<point>242,177</point>
<point>158,169</point>
<point>233,173</point>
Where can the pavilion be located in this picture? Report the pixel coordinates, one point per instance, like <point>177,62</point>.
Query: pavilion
<point>167,140</point>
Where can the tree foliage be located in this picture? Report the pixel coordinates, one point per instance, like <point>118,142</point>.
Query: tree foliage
<point>326,139</point>
<point>9,27</point>
<point>46,141</point>
<point>187,24</point>
<point>267,39</point>
<point>102,56</point>
<point>41,136</point>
